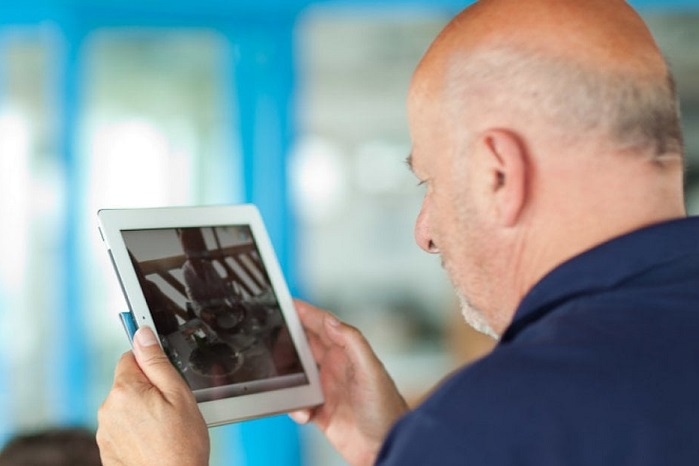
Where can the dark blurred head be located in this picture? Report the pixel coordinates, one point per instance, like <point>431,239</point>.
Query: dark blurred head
<point>55,447</point>
<point>192,242</point>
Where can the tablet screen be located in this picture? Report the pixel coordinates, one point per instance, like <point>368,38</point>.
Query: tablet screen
<point>214,307</point>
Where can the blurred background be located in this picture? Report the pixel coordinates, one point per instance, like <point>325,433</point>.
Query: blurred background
<point>295,105</point>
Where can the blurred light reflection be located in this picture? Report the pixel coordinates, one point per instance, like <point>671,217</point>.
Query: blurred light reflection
<point>319,179</point>
<point>15,182</point>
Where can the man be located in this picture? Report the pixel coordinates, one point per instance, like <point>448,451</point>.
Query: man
<point>546,133</point>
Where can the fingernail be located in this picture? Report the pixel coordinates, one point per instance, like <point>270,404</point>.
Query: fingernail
<point>145,337</point>
<point>301,417</point>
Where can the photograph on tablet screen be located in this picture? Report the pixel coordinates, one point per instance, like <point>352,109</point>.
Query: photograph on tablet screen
<point>215,310</point>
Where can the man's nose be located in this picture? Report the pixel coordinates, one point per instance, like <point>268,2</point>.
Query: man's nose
<point>423,237</point>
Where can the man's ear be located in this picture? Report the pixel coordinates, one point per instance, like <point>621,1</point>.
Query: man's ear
<point>507,172</point>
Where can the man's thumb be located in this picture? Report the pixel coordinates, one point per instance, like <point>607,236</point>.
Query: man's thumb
<point>153,361</point>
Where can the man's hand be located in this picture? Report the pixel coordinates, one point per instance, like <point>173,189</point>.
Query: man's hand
<point>361,399</point>
<point>150,416</point>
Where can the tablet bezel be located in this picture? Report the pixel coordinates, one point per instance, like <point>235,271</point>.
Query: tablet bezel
<point>111,224</point>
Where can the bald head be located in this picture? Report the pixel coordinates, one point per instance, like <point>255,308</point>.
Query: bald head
<point>600,32</point>
<point>575,67</point>
<point>541,128</point>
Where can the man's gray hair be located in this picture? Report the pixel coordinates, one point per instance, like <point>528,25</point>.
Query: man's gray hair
<point>635,110</point>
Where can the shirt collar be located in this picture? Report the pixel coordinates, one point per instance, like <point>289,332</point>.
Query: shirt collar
<point>606,266</point>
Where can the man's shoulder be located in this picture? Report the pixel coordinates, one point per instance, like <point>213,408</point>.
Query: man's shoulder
<point>545,402</point>
<point>501,383</point>
<point>466,418</point>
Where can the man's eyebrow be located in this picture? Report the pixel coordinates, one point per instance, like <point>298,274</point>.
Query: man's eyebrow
<point>409,161</point>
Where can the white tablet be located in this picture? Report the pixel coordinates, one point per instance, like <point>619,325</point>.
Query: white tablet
<point>207,280</point>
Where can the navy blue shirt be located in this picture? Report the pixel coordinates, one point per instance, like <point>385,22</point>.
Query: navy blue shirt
<point>600,366</point>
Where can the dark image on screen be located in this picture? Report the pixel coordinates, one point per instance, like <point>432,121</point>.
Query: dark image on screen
<point>215,310</point>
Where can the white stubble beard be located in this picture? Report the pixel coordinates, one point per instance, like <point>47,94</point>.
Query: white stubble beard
<point>474,317</point>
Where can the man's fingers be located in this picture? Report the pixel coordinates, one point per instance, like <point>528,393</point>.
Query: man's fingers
<point>311,317</point>
<point>314,321</point>
<point>324,331</point>
<point>317,347</point>
<point>354,344</point>
<point>301,416</point>
<point>155,364</point>
<point>128,371</point>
